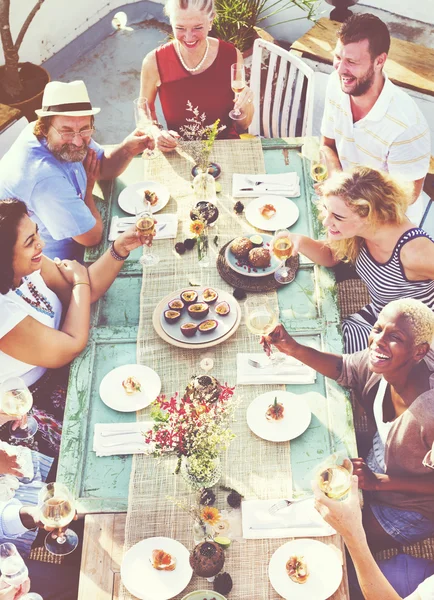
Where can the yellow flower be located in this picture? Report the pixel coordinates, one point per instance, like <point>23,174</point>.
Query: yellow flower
<point>197,227</point>
<point>210,515</point>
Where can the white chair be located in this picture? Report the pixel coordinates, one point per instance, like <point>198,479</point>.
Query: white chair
<point>10,134</point>
<point>283,87</point>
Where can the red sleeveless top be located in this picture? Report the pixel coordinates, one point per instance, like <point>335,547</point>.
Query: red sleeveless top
<point>210,90</point>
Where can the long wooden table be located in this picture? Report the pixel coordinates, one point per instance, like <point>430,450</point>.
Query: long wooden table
<point>409,65</point>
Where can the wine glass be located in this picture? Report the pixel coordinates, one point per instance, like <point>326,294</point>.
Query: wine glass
<point>16,400</point>
<point>145,224</point>
<point>334,476</point>
<point>145,122</point>
<point>13,568</point>
<point>57,510</point>
<point>238,83</point>
<point>281,247</point>
<point>318,168</point>
<point>261,319</point>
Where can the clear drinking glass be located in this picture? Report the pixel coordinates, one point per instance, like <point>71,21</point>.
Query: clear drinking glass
<point>16,400</point>
<point>281,247</point>
<point>145,122</point>
<point>318,168</point>
<point>238,83</point>
<point>13,568</point>
<point>57,510</point>
<point>145,224</point>
<point>261,319</point>
<point>334,476</point>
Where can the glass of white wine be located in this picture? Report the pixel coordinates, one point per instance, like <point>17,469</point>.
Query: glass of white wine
<point>281,247</point>
<point>238,83</point>
<point>318,168</point>
<point>261,319</point>
<point>145,224</point>
<point>13,568</point>
<point>145,122</point>
<point>334,476</point>
<point>57,510</point>
<point>16,400</point>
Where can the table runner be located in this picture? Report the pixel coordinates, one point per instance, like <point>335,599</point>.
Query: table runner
<point>254,467</point>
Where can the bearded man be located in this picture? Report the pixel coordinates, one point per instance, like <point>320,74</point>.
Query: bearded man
<point>53,166</point>
<point>368,120</point>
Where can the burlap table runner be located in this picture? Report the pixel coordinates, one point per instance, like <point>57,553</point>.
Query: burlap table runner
<point>256,468</point>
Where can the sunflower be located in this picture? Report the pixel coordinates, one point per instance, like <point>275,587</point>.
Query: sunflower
<point>210,515</point>
<point>197,227</point>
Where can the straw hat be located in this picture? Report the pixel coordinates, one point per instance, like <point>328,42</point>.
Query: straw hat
<point>69,99</point>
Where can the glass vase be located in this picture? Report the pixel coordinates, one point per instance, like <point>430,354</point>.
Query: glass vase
<point>202,245</point>
<point>204,187</point>
<point>198,483</point>
<point>201,532</point>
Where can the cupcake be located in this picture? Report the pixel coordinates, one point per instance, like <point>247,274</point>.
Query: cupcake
<point>241,247</point>
<point>207,559</point>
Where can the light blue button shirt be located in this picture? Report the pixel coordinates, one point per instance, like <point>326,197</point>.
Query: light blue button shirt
<point>53,191</point>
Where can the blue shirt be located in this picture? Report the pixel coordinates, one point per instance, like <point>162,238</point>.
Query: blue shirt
<point>53,191</point>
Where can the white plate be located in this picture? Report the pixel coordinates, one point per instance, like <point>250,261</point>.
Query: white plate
<point>324,567</point>
<point>296,416</point>
<point>114,396</point>
<point>225,324</point>
<point>286,215</point>
<point>131,197</point>
<point>236,265</point>
<point>145,582</point>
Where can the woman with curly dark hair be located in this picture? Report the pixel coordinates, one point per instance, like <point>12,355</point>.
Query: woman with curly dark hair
<point>45,312</point>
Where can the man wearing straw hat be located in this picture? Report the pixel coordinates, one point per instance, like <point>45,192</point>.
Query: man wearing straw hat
<point>53,166</point>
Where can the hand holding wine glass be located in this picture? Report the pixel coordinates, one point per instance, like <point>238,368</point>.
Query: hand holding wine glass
<point>145,225</point>
<point>261,319</point>
<point>145,123</point>
<point>238,83</point>
<point>14,571</point>
<point>16,400</point>
<point>57,510</point>
<point>334,476</point>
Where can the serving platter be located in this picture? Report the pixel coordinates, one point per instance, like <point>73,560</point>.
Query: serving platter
<point>114,396</point>
<point>287,213</point>
<point>131,197</point>
<point>238,265</point>
<point>296,416</point>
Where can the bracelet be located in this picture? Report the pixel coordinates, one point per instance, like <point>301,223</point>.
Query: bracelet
<point>81,283</point>
<point>115,255</point>
<point>157,124</point>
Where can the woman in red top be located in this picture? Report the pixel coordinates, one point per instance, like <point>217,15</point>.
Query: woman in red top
<point>195,68</point>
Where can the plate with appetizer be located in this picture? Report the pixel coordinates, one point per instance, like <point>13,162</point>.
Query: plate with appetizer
<point>278,416</point>
<point>130,387</point>
<point>252,256</point>
<point>204,595</point>
<point>272,212</point>
<point>197,317</point>
<point>132,198</point>
<point>305,569</point>
<point>157,568</point>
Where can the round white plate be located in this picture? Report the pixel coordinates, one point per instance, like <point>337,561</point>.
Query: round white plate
<point>225,324</point>
<point>131,197</point>
<point>286,215</point>
<point>143,581</point>
<point>204,595</point>
<point>237,265</point>
<point>114,396</point>
<point>296,417</point>
<point>324,567</point>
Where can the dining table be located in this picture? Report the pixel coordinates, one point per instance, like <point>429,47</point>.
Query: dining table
<point>125,331</point>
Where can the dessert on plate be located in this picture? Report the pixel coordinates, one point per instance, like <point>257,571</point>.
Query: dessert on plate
<point>163,561</point>
<point>259,257</point>
<point>267,211</point>
<point>297,570</point>
<point>150,197</point>
<point>240,247</point>
<point>131,385</point>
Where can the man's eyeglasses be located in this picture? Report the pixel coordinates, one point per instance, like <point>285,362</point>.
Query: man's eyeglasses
<point>68,136</point>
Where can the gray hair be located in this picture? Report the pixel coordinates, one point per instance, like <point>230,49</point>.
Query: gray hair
<point>205,6</point>
<point>418,315</point>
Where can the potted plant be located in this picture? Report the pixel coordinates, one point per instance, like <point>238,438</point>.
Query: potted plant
<point>21,84</point>
<point>238,21</point>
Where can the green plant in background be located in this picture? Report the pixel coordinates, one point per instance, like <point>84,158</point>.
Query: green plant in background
<point>236,19</point>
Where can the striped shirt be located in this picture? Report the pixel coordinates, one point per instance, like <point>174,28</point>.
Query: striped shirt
<point>394,136</point>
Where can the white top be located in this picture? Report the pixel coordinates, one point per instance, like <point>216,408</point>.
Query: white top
<point>382,427</point>
<point>426,589</point>
<point>13,309</point>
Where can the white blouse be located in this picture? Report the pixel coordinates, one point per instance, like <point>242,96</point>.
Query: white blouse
<point>13,309</point>
<point>382,427</point>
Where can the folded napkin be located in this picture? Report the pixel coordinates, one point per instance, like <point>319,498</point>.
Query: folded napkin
<point>280,184</point>
<point>298,520</point>
<point>289,371</point>
<point>169,230</point>
<point>107,443</point>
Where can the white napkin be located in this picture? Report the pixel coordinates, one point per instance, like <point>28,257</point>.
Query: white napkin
<point>289,371</point>
<point>132,442</point>
<point>280,184</point>
<point>169,230</point>
<point>298,520</point>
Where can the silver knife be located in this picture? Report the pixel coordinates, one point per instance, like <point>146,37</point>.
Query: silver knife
<point>277,189</point>
<point>123,228</point>
<point>123,432</point>
<point>289,526</point>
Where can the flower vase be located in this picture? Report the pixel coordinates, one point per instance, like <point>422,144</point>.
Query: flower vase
<point>202,245</point>
<point>198,478</point>
<point>200,532</point>
<point>204,186</point>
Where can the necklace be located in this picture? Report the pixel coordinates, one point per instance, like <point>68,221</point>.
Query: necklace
<point>198,66</point>
<point>39,300</point>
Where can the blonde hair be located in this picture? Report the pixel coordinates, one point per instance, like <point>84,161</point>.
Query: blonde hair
<point>205,6</point>
<point>371,194</point>
<point>418,315</point>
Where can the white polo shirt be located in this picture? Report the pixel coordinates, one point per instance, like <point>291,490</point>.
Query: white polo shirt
<point>425,590</point>
<point>394,136</point>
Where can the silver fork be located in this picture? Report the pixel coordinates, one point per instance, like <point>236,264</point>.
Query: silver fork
<point>283,504</point>
<point>260,365</point>
<point>278,183</point>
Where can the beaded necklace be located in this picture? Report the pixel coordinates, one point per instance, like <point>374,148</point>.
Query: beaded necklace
<point>197,67</point>
<point>39,302</point>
